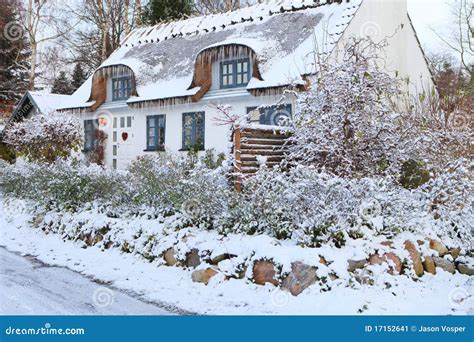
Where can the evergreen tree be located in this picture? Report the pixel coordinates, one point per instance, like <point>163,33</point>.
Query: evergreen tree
<point>78,77</point>
<point>14,57</point>
<point>62,85</point>
<point>162,10</point>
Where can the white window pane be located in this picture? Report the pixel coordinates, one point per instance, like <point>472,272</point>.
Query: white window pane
<point>246,66</point>
<point>122,122</point>
<point>239,67</point>
<point>239,78</point>
<point>245,78</point>
<point>129,121</point>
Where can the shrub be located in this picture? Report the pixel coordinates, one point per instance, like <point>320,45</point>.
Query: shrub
<point>6,153</point>
<point>45,137</point>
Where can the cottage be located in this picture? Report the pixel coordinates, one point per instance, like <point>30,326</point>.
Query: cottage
<point>160,89</point>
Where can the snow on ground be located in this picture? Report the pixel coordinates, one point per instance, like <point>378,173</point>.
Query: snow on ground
<point>431,295</point>
<point>28,287</point>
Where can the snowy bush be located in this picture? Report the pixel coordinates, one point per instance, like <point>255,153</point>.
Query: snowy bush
<point>177,184</point>
<point>355,121</point>
<point>45,137</point>
<point>318,208</point>
<point>64,184</point>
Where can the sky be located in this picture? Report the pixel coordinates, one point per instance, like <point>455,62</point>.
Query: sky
<point>429,15</point>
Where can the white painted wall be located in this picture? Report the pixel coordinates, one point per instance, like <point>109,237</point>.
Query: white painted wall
<point>217,136</point>
<point>381,19</point>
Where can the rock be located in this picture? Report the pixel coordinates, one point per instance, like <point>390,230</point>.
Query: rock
<point>322,260</point>
<point>420,242</point>
<point>192,258</point>
<point>444,264</point>
<point>203,276</point>
<point>387,243</point>
<point>465,269</point>
<point>439,247</point>
<point>355,264</point>
<point>415,258</point>
<point>376,259</point>
<point>429,265</point>
<point>169,257</point>
<point>300,277</point>
<point>108,244</point>
<point>98,238</point>
<point>455,252</point>
<point>264,272</point>
<point>221,257</point>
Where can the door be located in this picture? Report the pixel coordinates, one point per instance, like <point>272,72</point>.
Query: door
<point>123,142</point>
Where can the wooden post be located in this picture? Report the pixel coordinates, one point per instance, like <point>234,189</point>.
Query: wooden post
<point>237,160</point>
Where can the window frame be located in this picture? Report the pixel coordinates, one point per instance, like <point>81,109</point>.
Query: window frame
<point>233,63</point>
<point>194,131</point>
<point>158,118</point>
<point>119,91</point>
<point>89,128</point>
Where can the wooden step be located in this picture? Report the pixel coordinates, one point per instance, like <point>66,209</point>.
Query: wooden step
<point>262,153</point>
<point>255,141</point>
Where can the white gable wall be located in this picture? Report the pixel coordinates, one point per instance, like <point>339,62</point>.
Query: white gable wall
<point>381,19</point>
<point>217,135</point>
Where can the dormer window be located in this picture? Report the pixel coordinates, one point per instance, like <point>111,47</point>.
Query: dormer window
<point>235,73</point>
<point>121,88</point>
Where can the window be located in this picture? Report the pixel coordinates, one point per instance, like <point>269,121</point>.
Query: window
<point>235,73</point>
<point>114,136</point>
<point>114,150</point>
<point>193,131</point>
<point>155,132</point>
<point>89,139</point>
<point>272,115</point>
<point>122,122</point>
<point>121,88</point>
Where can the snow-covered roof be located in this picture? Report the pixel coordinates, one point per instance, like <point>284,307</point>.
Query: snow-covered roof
<point>41,102</point>
<point>47,103</point>
<point>283,34</point>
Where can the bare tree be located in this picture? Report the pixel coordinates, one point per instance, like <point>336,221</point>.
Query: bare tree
<point>43,22</point>
<point>461,40</point>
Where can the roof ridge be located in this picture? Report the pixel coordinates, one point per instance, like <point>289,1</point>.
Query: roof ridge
<point>268,9</point>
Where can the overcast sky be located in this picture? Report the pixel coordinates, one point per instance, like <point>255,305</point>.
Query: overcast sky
<point>427,14</point>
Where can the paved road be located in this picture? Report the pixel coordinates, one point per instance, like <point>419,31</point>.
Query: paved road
<point>29,287</point>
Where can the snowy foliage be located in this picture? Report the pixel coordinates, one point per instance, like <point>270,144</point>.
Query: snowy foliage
<point>301,204</point>
<point>353,121</point>
<point>45,137</point>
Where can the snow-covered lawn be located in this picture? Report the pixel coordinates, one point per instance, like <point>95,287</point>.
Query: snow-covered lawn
<point>430,295</point>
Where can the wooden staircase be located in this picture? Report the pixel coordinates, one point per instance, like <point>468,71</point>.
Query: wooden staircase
<point>254,146</point>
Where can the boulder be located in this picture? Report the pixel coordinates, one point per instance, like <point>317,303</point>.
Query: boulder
<point>387,243</point>
<point>300,277</point>
<point>439,247</point>
<point>444,264</point>
<point>355,264</point>
<point>465,269</point>
<point>264,272</point>
<point>192,258</point>
<point>429,265</point>
<point>204,275</point>
<point>170,257</point>
<point>98,238</point>
<point>455,252</point>
<point>396,268</point>
<point>217,259</point>
<point>415,258</point>
<point>322,260</point>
